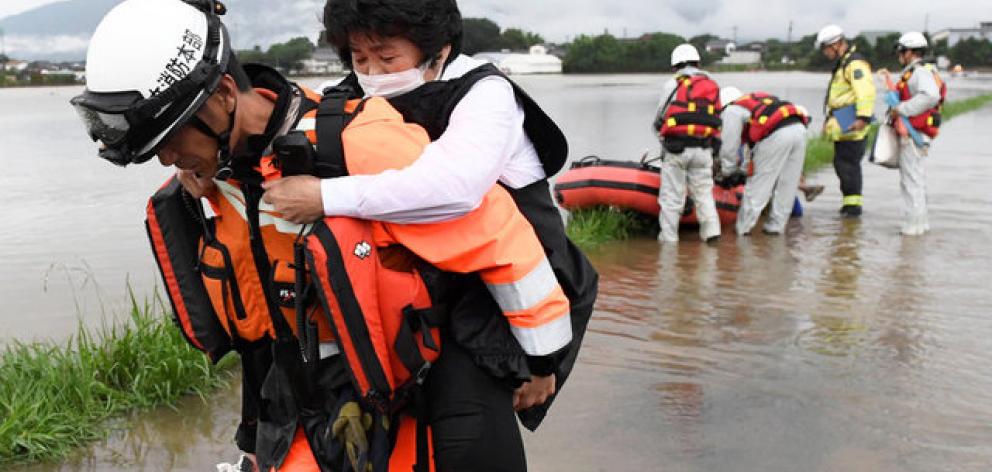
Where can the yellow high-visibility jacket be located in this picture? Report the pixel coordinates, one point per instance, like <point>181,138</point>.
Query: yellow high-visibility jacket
<point>851,84</point>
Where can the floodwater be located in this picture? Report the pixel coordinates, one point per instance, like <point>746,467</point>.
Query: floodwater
<point>840,346</point>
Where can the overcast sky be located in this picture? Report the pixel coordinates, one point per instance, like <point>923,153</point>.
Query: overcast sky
<point>558,20</point>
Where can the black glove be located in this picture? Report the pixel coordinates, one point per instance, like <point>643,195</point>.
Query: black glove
<point>733,180</point>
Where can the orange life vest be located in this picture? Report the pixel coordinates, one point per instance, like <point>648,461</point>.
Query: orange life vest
<point>767,114</point>
<point>929,121</point>
<point>694,109</point>
<point>229,285</point>
<point>495,241</point>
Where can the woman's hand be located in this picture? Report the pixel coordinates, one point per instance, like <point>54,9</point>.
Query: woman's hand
<point>296,198</point>
<point>534,393</point>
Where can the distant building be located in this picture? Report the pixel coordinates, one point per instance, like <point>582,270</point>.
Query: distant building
<point>746,58</point>
<point>753,46</point>
<point>325,61</point>
<point>724,46</point>
<point>873,36</point>
<point>956,35</point>
<point>536,61</point>
<point>16,66</point>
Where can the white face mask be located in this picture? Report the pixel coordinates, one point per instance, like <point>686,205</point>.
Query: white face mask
<point>392,85</point>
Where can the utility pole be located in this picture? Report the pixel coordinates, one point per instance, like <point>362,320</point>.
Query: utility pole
<point>789,37</point>
<point>735,35</point>
<point>926,23</point>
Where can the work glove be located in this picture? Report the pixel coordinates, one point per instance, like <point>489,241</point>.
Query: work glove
<point>351,429</point>
<point>733,180</point>
<point>892,99</point>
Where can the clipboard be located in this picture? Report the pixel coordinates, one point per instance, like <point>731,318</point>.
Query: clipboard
<point>845,117</point>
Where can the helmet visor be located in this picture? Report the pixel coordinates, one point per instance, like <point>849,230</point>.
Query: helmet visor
<point>109,128</point>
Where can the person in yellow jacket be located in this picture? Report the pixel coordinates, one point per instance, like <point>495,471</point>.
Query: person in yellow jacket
<point>849,106</point>
<point>162,81</point>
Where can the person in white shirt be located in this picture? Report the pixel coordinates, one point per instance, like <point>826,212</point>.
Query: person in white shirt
<point>485,130</point>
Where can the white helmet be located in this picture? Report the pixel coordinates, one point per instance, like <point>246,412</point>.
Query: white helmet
<point>912,40</point>
<point>830,34</point>
<point>684,53</point>
<point>729,95</point>
<point>150,66</point>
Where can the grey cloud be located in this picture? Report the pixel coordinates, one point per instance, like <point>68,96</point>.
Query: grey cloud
<point>697,10</point>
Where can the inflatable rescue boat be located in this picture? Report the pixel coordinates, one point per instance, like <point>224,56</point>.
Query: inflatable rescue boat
<point>592,182</point>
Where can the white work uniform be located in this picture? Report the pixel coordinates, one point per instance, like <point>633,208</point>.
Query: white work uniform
<point>693,166</point>
<point>924,95</point>
<point>484,142</point>
<point>778,166</point>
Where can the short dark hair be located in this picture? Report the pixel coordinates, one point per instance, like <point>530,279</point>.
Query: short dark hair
<point>428,24</point>
<point>238,73</point>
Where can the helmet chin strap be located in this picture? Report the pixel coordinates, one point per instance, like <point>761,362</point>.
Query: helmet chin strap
<point>224,168</point>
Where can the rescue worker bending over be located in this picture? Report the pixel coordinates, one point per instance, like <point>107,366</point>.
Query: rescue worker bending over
<point>190,103</point>
<point>850,102</point>
<point>688,124</point>
<point>776,132</point>
<point>919,98</point>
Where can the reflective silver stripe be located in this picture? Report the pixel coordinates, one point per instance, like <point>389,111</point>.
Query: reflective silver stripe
<point>526,292</point>
<point>328,350</point>
<point>234,196</point>
<point>307,124</point>
<point>545,339</point>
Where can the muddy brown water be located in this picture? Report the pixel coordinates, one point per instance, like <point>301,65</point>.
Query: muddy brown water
<point>840,346</point>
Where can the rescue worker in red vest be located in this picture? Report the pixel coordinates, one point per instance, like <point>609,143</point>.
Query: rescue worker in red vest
<point>188,101</point>
<point>485,130</point>
<point>688,124</point>
<point>851,100</point>
<point>920,96</point>
<point>776,132</point>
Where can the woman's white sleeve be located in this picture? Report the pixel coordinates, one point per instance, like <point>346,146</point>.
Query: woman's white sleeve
<point>450,177</point>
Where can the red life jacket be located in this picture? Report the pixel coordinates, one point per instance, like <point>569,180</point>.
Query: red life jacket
<point>767,114</point>
<point>694,109</point>
<point>929,121</point>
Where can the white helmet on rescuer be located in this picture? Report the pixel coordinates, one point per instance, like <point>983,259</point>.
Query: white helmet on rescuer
<point>684,53</point>
<point>830,34</point>
<point>150,66</point>
<point>912,40</point>
<point>729,95</point>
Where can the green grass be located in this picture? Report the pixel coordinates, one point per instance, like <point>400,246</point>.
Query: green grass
<point>595,226</point>
<point>958,107</point>
<point>591,228</point>
<point>820,151</point>
<point>55,397</point>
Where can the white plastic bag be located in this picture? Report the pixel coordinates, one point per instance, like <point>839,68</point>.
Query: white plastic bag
<point>885,150</point>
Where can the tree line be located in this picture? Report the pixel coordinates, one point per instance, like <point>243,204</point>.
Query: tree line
<point>651,52</point>
<point>606,53</point>
<point>286,56</point>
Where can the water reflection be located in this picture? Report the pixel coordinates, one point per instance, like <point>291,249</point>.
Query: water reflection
<point>193,436</point>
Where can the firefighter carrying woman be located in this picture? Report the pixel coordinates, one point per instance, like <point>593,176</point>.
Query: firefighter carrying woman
<point>385,258</point>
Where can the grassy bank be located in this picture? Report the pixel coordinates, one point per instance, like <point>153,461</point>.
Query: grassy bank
<point>55,397</point>
<point>590,228</point>
<point>820,151</point>
<point>958,107</point>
